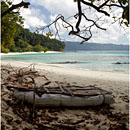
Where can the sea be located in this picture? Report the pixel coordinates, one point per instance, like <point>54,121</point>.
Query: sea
<point>88,60</point>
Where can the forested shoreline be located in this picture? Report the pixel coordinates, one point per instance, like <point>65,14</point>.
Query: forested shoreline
<point>15,38</point>
<point>28,41</point>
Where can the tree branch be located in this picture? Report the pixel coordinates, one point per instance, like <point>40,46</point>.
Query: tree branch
<point>103,4</point>
<point>95,7</point>
<point>93,22</point>
<point>77,30</point>
<point>114,5</point>
<point>80,16</point>
<point>79,19</point>
<point>22,4</point>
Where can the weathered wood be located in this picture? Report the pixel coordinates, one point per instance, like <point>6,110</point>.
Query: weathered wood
<point>85,94</point>
<point>57,100</point>
<point>69,91</point>
<point>61,91</point>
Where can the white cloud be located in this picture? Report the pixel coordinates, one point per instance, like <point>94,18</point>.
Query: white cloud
<point>65,7</point>
<point>16,1</point>
<point>33,18</point>
<point>114,34</point>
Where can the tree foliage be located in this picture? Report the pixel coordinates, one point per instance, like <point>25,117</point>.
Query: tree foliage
<point>17,39</point>
<point>13,7</point>
<point>29,41</point>
<point>26,41</point>
<point>9,26</point>
<point>13,41</point>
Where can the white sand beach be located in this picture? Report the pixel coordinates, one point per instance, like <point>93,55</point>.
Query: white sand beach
<point>115,82</point>
<point>16,53</point>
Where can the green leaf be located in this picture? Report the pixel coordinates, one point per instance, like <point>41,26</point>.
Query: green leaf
<point>113,17</point>
<point>112,1</point>
<point>75,0</point>
<point>126,23</point>
<point>49,34</point>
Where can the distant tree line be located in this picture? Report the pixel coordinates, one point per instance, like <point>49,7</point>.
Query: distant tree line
<point>15,38</point>
<point>28,41</point>
<point>76,46</point>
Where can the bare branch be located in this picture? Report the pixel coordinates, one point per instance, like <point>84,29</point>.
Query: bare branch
<point>112,5</point>
<point>93,22</point>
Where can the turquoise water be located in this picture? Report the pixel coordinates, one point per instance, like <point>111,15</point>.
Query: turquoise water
<point>93,60</point>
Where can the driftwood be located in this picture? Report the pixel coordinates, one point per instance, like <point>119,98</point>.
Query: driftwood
<point>21,78</point>
<point>58,100</point>
<point>22,82</point>
<point>61,90</point>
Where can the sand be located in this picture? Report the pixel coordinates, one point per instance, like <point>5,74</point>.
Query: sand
<point>16,53</point>
<point>112,117</point>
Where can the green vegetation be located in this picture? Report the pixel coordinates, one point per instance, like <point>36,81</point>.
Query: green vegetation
<point>15,38</point>
<point>28,41</point>
<point>9,27</point>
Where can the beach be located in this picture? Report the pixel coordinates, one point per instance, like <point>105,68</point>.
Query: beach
<point>113,116</point>
<point>17,53</point>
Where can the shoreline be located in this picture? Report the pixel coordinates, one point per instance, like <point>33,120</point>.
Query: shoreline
<point>60,69</point>
<point>17,53</point>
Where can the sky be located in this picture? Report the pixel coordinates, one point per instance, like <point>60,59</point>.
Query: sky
<point>43,12</point>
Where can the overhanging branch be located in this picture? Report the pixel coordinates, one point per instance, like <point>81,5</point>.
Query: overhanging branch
<point>83,32</point>
<point>22,4</point>
<point>95,7</point>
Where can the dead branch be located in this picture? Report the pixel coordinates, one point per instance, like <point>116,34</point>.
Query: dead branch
<point>22,77</point>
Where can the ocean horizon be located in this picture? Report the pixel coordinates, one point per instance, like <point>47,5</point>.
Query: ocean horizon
<point>88,60</point>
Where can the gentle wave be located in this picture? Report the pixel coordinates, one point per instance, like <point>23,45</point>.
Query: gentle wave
<point>94,60</point>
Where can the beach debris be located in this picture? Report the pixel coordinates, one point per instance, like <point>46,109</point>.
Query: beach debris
<point>23,78</point>
<point>121,63</point>
<point>69,62</point>
<point>23,82</point>
<point>18,112</point>
<point>66,97</point>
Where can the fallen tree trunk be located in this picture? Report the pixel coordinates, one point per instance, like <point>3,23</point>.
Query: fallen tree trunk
<point>58,100</point>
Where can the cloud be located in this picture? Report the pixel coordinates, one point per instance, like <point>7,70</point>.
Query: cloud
<point>16,1</point>
<point>33,18</point>
<point>65,7</point>
<point>114,34</point>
